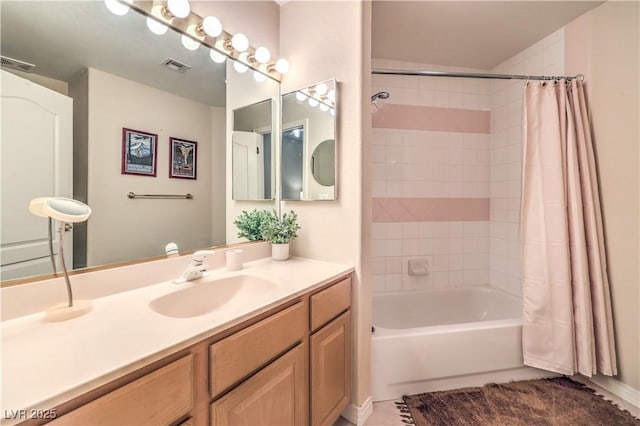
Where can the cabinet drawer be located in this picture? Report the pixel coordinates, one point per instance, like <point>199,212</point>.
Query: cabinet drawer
<point>329,303</point>
<point>160,397</point>
<point>238,355</point>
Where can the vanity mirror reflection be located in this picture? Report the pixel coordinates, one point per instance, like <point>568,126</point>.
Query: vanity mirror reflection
<point>252,145</point>
<point>116,74</point>
<point>308,153</point>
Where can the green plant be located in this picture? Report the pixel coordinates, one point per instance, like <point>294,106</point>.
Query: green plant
<point>280,230</point>
<point>249,224</point>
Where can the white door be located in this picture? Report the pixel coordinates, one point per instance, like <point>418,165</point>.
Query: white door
<point>248,167</point>
<point>36,148</point>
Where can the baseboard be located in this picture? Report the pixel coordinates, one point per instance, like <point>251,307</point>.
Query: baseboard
<point>621,390</point>
<point>358,414</point>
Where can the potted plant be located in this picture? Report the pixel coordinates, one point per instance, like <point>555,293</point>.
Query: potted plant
<point>279,231</point>
<point>249,224</point>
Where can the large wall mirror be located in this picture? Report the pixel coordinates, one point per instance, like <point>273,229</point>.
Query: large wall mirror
<point>308,170</point>
<point>110,73</point>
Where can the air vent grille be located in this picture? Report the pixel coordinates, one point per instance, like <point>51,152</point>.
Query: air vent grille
<point>176,66</point>
<point>16,64</point>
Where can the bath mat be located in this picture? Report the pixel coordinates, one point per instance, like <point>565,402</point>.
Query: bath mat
<point>553,402</point>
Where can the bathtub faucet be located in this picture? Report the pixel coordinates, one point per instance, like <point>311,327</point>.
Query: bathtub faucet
<point>196,268</point>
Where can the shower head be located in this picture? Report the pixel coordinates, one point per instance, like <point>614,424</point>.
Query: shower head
<point>380,95</point>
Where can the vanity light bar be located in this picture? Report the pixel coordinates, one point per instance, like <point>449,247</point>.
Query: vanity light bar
<point>310,94</point>
<point>192,27</point>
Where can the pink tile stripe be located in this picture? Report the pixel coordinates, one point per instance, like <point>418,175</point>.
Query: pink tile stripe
<point>430,209</point>
<point>415,117</point>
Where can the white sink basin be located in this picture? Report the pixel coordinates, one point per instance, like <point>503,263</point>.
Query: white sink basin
<point>205,295</point>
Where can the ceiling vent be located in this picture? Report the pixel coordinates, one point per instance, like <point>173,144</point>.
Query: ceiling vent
<point>16,64</point>
<point>176,66</point>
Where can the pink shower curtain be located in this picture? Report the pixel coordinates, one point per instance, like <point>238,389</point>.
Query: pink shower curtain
<point>567,322</point>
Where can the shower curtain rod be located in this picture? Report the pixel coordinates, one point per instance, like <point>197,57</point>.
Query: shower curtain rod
<point>473,75</point>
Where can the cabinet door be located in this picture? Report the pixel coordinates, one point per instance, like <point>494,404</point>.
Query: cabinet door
<point>160,397</point>
<point>276,395</point>
<point>331,370</point>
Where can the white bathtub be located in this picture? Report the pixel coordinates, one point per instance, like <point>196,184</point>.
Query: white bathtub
<point>446,339</point>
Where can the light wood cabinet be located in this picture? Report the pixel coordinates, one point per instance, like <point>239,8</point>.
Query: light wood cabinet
<point>330,302</point>
<point>290,365</point>
<point>242,353</point>
<point>161,397</point>
<point>331,370</point>
<point>277,395</point>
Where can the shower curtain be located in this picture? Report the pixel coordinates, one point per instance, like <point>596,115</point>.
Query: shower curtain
<point>567,321</point>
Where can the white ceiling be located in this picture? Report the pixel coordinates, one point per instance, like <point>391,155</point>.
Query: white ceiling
<point>472,34</point>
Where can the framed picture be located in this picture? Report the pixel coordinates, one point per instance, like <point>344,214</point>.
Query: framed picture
<point>139,152</point>
<point>182,158</point>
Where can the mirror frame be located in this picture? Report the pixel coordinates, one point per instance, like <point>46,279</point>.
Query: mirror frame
<point>307,165</point>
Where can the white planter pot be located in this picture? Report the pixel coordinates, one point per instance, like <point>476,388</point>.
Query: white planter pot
<point>280,251</point>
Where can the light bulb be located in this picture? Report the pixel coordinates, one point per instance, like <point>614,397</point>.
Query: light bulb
<point>156,27</point>
<point>217,57</point>
<point>179,8</point>
<point>324,107</point>
<point>262,55</point>
<point>116,7</point>
<point>240,42</point>
<point>321,89</point>
<point>189,43</point>
<point>332,95</point>
<point>282,66</point>
<point>301,96</point>
<point>240,67</point>
<point>259,77</point>
<point>212,26</point>
<point>313,102</point>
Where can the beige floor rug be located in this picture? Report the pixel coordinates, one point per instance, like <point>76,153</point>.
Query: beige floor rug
<point>554,402</point>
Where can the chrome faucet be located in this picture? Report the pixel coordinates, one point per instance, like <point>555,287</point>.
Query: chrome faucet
<point>196,268</point>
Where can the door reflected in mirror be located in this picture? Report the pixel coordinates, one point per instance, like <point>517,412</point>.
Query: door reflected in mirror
<point>308,170</point>
<point>252,152</point>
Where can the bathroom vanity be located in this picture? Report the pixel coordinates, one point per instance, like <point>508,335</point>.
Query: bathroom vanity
<point>287,362</point>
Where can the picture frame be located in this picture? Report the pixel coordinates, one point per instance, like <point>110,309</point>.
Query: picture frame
<point>183,158</point>
<point>139,152</point>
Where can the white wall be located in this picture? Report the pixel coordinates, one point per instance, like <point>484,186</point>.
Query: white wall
<point>121,228</point>
<point>323,40</point>
<point>604,45</point>
<point>218,177</point>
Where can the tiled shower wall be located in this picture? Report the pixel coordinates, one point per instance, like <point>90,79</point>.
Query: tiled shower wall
<point>430,180</point>
<point>446,164</point>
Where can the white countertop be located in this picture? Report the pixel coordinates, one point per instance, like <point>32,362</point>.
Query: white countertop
<point>45,363</point>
